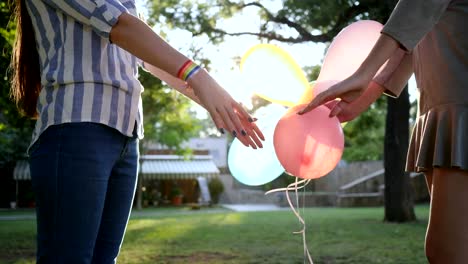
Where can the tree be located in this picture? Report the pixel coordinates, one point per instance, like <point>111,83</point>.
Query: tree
<point>311,21</point>
<point>14,128</point>
<point>398,195</point>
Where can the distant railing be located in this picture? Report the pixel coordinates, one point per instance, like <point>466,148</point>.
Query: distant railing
<point>369,197</point>
<point>361,180</point>
<point>370,177</point>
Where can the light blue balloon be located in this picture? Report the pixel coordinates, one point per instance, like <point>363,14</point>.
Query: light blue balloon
<point>258,166</point>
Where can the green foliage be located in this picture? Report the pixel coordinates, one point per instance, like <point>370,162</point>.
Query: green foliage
<point>176,191</point>
<point>15,130</point>
<point>312,72</point>
<point>167,116</point>
<point>364,136</point>
<point>314,20</point>
<point>215,187</point>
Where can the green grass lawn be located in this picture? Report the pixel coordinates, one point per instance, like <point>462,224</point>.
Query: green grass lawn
<point>334,235</point>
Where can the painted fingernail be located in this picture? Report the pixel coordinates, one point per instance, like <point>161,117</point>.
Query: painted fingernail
<point>244,133</point>
<point>234,133</point>
<point>250,120</point>
<point>221,130</point>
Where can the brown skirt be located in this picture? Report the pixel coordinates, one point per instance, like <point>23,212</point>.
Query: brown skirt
<point>440,139</point>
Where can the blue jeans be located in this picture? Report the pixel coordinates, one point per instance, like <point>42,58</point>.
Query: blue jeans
<point>84,177</point>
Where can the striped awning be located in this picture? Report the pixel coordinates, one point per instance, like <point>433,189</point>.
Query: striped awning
<point>161,167</point>
<point>21,171</point>
<point>172,167</point>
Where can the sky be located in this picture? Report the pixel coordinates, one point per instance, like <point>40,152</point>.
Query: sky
<point>223,66</point>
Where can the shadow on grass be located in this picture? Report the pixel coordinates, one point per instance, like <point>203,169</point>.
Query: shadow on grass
<point>334,235</point>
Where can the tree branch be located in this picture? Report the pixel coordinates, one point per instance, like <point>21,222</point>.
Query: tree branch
<point>304,35</point>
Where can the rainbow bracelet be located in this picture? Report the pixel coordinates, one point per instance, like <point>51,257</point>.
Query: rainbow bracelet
<point>187,70</point>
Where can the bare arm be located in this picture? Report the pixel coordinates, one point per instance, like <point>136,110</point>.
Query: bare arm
<point>133,35</point>
<point>173,82</point>
<point>383,49</point>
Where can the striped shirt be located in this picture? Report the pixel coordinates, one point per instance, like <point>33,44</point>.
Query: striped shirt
<point>84,77</point>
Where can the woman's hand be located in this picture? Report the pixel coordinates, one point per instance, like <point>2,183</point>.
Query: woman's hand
<point>227,114</point>
<point>351,88</point>
<point>353,101</point>
<point>347,90</point>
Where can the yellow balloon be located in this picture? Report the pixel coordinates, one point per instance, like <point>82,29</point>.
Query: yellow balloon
<point>271,73</point>
<point>308,94</point>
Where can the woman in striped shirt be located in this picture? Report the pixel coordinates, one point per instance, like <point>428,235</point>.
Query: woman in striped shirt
<point>80,82</point>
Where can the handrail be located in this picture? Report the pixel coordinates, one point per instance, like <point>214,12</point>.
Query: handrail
<point>370,176</point>
<point>354,195</point>
<point>362,179</point>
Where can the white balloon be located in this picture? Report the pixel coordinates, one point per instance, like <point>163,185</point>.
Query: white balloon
<point>260,166</point>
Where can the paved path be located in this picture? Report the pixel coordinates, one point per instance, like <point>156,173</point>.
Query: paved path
<point>253,207</point>
<point>225,208</point>
<point>17,217</point>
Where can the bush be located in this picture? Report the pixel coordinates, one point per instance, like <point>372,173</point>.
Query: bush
<point>216,187</point>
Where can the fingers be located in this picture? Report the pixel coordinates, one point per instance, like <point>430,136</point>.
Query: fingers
<point>253,132</point>
<point>248,137</point>
<point>251,126</point>
<point>238,129</point>
<point>225,120</point>
<point>250,134</point>
<point>233,124</point>
<point>343,111</point>
<point>258,132</point>
<point>236,120</point>
<point>348,89</point>
<point>320,99</point>
<point>331,104</point>
<point>338,108</point>
<point>242,112</point>
<point>219,123</point>
<point>244,129</point>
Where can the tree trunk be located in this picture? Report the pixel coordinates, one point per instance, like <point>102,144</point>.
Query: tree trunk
<point>399,206</point>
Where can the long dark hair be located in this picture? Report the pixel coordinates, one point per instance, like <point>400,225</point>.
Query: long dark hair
<point>26,80</point>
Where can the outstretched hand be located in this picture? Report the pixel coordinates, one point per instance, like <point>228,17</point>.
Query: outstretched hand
<point>227,114</point>
<point>348,91</point>
<point>356,98</point>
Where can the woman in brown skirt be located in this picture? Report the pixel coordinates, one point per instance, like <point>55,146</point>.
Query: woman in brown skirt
<point>430,39</point>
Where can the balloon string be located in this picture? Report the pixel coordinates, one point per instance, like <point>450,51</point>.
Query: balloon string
<point>304,227</point>
<point>294,187</point>
<point>289,187</point>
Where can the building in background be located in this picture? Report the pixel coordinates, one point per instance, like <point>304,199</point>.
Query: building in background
<point>215,147</point>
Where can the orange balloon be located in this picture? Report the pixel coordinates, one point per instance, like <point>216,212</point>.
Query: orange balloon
<point>308,146</point>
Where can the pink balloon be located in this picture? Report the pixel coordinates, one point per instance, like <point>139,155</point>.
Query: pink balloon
<point>308,146</point>
<point>346,52</point>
